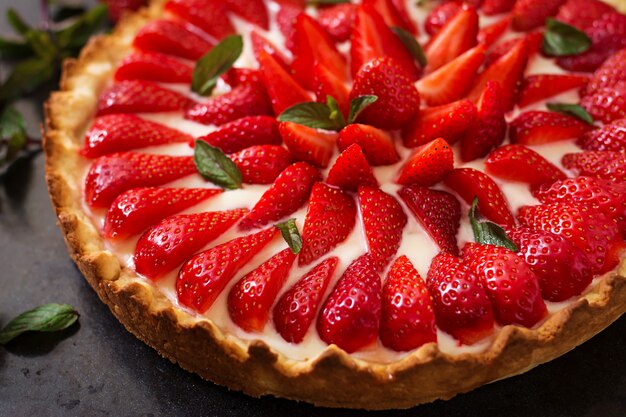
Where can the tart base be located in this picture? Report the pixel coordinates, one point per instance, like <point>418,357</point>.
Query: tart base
<point>334,378</point>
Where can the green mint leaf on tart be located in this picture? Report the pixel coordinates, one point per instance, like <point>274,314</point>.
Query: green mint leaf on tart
<point>335,112</point>
<point>216,167</point>
<point>314,115</point>
<point>289,231</point>
<point>412,45</point>
<point>214,63</point>
<point>561,39</point>
<point>575,110</point>
<point>357,105</point>
<point>45,318</point>
<point>486,232</point>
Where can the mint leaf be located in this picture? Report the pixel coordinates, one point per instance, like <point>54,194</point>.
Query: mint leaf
<point>216,167</point>
<point>27,76</point>
<point>561,39</point>
<point>16,21</point>
<point>214,63</point>
<point>45,318</point>
<point>488,233</point>
<point>12,134</point>
<point>290,233</point>
<point>574,110</point>
<point>14,49</point>
<point>335,112</point>
<point>77,34</point>
<point>359,104</point>
<point>312,114</point>
<point>412,45</point>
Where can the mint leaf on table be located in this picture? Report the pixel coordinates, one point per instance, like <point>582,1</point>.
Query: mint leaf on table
<point>216,167</point>
<point>45,318</point>
<point>488,233</point>
<point>561,39</point>
<point>214,63</point>
<point>290,233</point>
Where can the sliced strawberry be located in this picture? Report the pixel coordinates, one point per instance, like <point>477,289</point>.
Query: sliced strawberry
<point>405,16</point>
<point>254,11</point>
<point>307,144</point>
<point>261,164</point>
<point>519,164</point>
<point>563,270</point>
<point>172,37</point>
<point>427,165</point>
<point>534,39</point>
<point>337,20</point>
<point>493,7</point>
<point>286,22</point>
<point>383,223</point>
<point>244,133</point>
<point>611,137</point>
<point>261,43</point>
<point>153,66</point>
<point>350,315</point>
<point>398,99</point>
<point>539,127</point>
<point>511,285</point>
<point>469,183</point>
<point>283,90</point>
<point>542,86</point>
<point>508,71</point>
<point>488,35</point>
<point>250,299</point>
<point>286,195</point>
<point>610,74</point>
<point>329,220</point>
<point>438,212</point>
<point>489,130</point>
<point>371,38</point>
<point>247,99</point>
<point>407,318</point>
<point>450,121</point>
<point>588,229</point>
<point>124,132</point>
<point>328,84</point>
<point>462,307</point>
<point>297,307</point>
<point>351,170</point>
<point>604,165</point>
<point>174,239</point>
<point>452,81</point>
<point>582,13</point>
<point>210,16</point>
<point>440,15</point>
<point>135,210</point>
<point>236,77</point>
<point>530,14</point>
<point>203,277</point>
<point>138,96</point>
<point>314,45</point>
<point>600,194</point>
<point>376,144</point>
<point>457,36</point>
<point>607,104</point>
<point>388,12</point>
<point>111,175</point>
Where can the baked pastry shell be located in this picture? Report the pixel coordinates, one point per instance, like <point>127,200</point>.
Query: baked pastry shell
<point>332,379</point>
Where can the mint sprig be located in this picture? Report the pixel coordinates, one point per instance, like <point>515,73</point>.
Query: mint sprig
<point>216,167</point>
<point>45,318</point>
<point>214,63</point>
<point>574,110</point>
<point>486,232</point>
<point>412,45</point>
<point>289,231</point>
<point>561,39</point>
<point>327,115</point>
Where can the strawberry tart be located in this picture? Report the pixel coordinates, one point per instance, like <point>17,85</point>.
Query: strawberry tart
<point>368,204</point>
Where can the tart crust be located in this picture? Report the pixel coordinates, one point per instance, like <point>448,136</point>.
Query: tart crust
<point>334,378</point>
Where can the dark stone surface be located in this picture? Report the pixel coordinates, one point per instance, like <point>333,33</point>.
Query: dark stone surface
<point>96,368</point>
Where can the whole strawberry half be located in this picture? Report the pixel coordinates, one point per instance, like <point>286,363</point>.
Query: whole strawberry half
<point>611,73</point>
<point>530,14</point>
<point>607,104</point>
<point>251,298</point>
<point>284,91</point>
<point>307,144</point>
<point>511,285</point>
<point>261,164</point>
<point>326,83</point>
<point>611,137</point>
<point>139,208</point>
<point>350,316</point>
<point>604,165</point>
<point>254,11</point>
<point>174,239</point>
<point>173,37</point>
<point>286,22</point>
<point>470,183</point>
<point>337,20</point>
<point>533,40</point>
<point>211,16</point>
<point>398,100</point>
<point>521,164</point>
<point>243,133</point>
<point>582,13</point>
<point>427,164</point>
<point>111,175</point>
<point>562,269</point>
<point>203,277</point>
<point>539,127</point>
<point>297,307</point>
<point>494,7</point>
<point>543,86</point>
<point>407,317</point>
<point>377,145</point>
<point>153,66</point>
<point>438,212</point>
<point>286,195</point>
<point>383,223</point>
<point>440,15</point>
<point>351,170</point>
<point>462,307</point>
<point>125,132</point>
<point>329,220</point>
<point>138,96</point>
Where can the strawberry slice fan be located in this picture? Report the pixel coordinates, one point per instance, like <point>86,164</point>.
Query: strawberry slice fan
<point>369,205</point>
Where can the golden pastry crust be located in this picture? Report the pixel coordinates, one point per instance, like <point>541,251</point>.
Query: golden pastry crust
<point>334,378</point>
